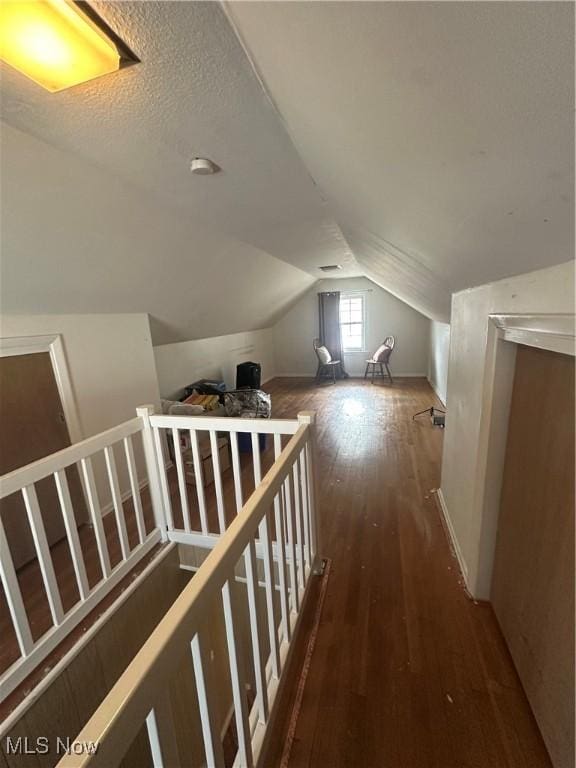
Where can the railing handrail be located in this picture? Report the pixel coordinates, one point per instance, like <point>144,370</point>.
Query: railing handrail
<point>117,720</point>
<point>227,424</point>
<point>38,470</point>
<point>22,481</point>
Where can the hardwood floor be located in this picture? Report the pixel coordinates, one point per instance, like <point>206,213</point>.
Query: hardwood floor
<point>407,672</point>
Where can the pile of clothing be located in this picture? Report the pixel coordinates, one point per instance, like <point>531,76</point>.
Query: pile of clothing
<point>249,403</point>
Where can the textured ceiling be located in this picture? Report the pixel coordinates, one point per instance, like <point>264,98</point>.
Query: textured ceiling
<point>428,146</point>
<point>194,94</point>
<point>441,134</point>
<point>75,240</point>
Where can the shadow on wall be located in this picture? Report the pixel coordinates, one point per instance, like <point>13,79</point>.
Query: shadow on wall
<point>160,329</point>
<point>439,356</point>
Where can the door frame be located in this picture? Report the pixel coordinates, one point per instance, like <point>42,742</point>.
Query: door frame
<point>553,332</point>
<point>54,345</point>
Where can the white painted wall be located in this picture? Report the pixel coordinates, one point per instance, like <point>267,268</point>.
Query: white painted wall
<point>385,315</point>
<point>75,239</point>
<point>438,360</point>
<point>216,358</point>
<point>111,367</point>
<point>469,499</point>
<point>110,361</point>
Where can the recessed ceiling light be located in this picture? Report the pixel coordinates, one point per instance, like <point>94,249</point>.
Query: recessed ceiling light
<point>59,43</point>
<point>330,267</point>
<point>203,166</point>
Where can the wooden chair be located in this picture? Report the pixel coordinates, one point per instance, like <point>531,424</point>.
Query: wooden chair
<point>380,359</point>
<point>326,366</point>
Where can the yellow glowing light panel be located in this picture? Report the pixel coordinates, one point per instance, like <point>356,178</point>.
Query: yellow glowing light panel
<point>53,43</point>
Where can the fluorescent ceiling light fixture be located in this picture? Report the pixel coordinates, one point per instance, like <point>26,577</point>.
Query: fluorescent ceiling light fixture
<point>58,43</point>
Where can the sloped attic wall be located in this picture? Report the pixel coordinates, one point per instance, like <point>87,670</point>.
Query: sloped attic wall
<point>441,134</point>
<point>180,364</point>
<point>75,239</point>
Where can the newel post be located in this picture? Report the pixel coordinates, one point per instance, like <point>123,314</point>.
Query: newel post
<point>309,418</point>
<point>152,468</point>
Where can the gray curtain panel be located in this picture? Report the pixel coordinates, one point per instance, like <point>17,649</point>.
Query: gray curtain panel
<point>329,324</point>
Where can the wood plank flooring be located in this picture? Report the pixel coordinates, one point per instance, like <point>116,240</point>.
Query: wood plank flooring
<point>407,672</point>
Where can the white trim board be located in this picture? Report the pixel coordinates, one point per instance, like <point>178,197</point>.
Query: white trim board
<point>360,375</point>
<point>53,344</point>
<point>554,332</point>
<point>107,508</point>
<point>452,540</point>
<point>351,375</point>
<point>436,392</point>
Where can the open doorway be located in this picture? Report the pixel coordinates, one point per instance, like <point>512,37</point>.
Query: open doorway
<point>34,425</point>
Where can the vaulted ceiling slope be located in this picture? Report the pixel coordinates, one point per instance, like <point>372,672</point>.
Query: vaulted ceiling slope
<point>76,240</point>
<point>441,134</point>
<point>428,146</point>
<point>101,213</point>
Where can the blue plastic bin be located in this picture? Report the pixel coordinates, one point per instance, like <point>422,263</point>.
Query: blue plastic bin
<point>245,442</point>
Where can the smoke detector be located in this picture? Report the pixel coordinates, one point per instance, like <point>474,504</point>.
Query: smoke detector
<point>203,166</point>
<point>330,267</point>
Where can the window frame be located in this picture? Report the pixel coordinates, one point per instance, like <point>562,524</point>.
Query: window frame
<point>347,296</point>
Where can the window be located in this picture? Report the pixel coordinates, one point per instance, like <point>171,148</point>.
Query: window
<point>352,322</point>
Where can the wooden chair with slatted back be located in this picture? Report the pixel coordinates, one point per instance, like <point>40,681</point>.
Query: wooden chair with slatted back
<point>326,365</point>
<point>380,360</point>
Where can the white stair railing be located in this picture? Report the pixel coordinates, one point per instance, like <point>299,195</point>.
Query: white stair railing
<point>279,520</point>
<point>104,451</point>
<point>178,437</point>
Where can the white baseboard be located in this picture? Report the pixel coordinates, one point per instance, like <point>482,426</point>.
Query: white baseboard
<point>107,508</point>
<point>351,374</point>
<point>227,721</point>
<point>295,376</point>
<point>454,545</point>
<point>438,395</point>
<point>395,375</point>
